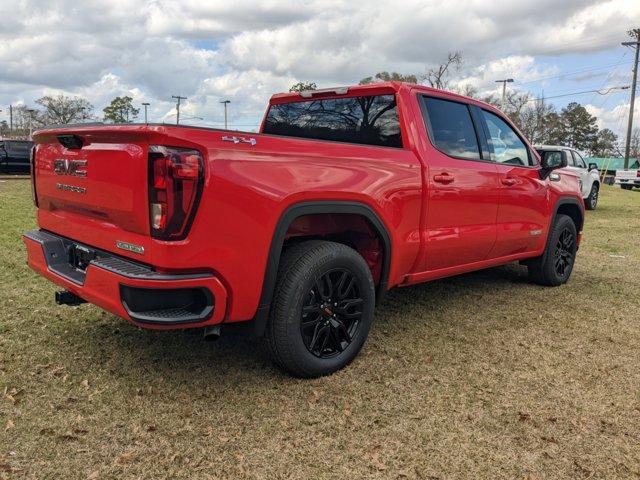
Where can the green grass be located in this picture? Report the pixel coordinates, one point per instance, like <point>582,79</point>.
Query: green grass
<point>479,376</point>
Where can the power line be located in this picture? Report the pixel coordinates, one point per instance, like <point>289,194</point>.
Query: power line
<point>609,75</point>
<point>598,91</point>
<point>566,47</point>
<point>576,72</point>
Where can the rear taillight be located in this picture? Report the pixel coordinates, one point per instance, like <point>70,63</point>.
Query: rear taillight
<point>175,185</point>
<point>32,166</point>
<point>638,173</point>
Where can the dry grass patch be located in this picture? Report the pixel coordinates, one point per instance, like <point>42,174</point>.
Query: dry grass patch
<point>479,376</point>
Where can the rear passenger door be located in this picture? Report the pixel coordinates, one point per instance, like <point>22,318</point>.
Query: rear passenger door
<point>463,191</point>
<point>522,213</point>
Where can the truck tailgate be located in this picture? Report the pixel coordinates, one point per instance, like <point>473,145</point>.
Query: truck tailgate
<point>91,186</point>
<point>627,174</point>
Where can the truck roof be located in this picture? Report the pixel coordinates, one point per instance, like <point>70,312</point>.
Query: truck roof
<point>370,89</point>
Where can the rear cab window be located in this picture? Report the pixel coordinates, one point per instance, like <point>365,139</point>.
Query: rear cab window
<point>367,120</point>
<point>450,128</point>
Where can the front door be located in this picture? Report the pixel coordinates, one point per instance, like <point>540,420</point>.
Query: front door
<point>522,213</point>
<point>576,164</point>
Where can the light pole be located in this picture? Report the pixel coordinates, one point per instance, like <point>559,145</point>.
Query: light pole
<point>225,102</point>
<point>146,104</point>
<point>504,89</point>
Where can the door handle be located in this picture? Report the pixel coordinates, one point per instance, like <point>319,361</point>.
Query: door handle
<point>443,178</point>
<point>509,181</point>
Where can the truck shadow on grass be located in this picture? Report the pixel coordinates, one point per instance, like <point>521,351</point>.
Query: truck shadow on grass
<point>184,356</point>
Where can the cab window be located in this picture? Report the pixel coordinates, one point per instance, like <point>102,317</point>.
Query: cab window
<point>577,160</point>
<point>450,128</point>
<point>504,143</point>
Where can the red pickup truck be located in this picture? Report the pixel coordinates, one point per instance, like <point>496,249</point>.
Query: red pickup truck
<point>298,230</point>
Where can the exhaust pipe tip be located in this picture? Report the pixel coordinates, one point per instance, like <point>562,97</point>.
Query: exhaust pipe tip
<point>211,334</point>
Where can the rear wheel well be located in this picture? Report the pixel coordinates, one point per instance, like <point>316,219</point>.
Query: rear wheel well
<point>351,229</point>
<point>352,223</point>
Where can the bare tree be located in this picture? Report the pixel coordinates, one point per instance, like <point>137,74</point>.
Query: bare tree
<point>465,89</point>
<point>634,144</point>
<point>534,120</point>
<point>62,110</point>
<point>438,77</point>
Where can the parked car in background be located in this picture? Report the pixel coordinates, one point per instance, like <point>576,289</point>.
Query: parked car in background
<point>627,179</point>
<point>299,229</point>
<point>589,174</point>
<point>14,156</point>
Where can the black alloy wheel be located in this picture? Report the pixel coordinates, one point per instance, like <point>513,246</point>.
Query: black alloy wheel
<point>564,252</point>
<point>593,197</point>
<point>322,308</point>
<point>331,314</point>
<point>555,265</point>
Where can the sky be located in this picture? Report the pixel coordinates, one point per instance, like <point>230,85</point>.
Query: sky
<point>244,51</point>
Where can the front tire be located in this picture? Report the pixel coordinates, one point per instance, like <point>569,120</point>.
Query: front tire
<point>322,309</point>
<point>555,265</point>
<point>626,187</point>
<point>591,202</point>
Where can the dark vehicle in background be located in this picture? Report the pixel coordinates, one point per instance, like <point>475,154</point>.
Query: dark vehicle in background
<point>14,156</point>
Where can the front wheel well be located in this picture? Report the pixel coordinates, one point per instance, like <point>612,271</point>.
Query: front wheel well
<point>572,211</point>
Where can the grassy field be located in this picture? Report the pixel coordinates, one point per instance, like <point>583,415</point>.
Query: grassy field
<point>479,376</point>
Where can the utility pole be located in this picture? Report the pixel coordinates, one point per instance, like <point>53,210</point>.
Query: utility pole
<point>31,113</point>
<point>10,119</point>
<point>627,147</point>
<point>178,98</point>
<point>504,90</point>
<point>225,102</point>
<point>146,104</point>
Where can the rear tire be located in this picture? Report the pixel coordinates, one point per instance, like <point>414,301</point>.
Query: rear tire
<point>591,202</point>
<point>322,309</point>
<point>555,265</point>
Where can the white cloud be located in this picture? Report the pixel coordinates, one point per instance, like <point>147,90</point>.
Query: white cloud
<point>247,49</point>
<point>521,67</point>
<point>615,118</point>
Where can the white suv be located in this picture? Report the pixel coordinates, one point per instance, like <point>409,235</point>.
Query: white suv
<point>589,175</point>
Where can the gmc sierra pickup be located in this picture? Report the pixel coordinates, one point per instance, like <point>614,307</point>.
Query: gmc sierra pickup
<point>297,230</point>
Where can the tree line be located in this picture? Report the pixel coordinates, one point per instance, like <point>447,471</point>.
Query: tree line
<point>64,110</point>
<point>540,121</point>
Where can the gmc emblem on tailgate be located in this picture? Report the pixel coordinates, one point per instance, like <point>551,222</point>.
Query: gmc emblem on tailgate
<point>75,168</point>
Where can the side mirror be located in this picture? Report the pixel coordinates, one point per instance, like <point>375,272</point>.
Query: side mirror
<point>593,166</point>
<point>551,160</point>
